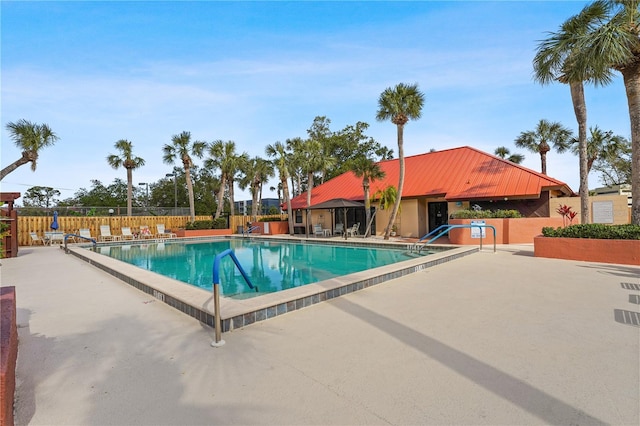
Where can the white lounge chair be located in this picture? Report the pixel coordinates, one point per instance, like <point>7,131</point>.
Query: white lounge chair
<point>126,233</point>
<point>105,234</point>
<point>353,231</point>
<point>35,239</point>
<point>317,230</point>
<point>85,233</point>
<point>164,234</point>
<point>339,229</point>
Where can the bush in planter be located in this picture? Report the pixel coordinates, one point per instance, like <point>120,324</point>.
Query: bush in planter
<point>272,219</point>
<point>485,214</point>
<point>595,231</point>
<point>219,223</point>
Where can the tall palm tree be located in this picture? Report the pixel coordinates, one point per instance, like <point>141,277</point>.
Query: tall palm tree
<point>610,40</point>
<point>556,60</point>
<point>503,152</point>
<point>30,138</point>
<point>367,169</point>
<point>280,155</point>
<point>255,172</point>
<point>182,148</point>
<point>313,159</point>
<point>223,156</point>
<point>295,162</point>
<point>127,160</point>
<point>600,144</point>
<point>538,140</point>
<point>399,104</point>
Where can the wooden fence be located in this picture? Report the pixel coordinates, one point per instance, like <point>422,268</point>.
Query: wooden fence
<point>71,224</point>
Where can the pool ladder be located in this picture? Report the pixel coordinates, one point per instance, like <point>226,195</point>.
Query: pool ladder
<point>216,291</point>
<point>444,229</point>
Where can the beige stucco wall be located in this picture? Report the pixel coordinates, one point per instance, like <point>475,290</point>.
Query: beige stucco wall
<point>620,207</point>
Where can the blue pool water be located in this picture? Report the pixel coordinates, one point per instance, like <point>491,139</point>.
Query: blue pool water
<point>271,265</point>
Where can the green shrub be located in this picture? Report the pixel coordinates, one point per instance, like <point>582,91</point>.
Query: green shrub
<point>595,231</point>
<point>219,223</point>
<point>485,214</point>
<point>272,219</point>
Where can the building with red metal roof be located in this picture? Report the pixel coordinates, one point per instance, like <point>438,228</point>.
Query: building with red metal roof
<point>438,183</point>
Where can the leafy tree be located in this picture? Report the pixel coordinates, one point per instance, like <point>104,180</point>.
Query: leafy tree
<point>30,138</point>
<point>255,172</point>
<point>114,195</point>
<point>278,151</point>
<point>366,168</point>
<point>615,164</point>
<point>223,156</point>
<point>127,160</point>
<point>610,40</point>
<point>399,104</point>
<point>295,163</point>
<point>600,144</point>
<point>182,148</point>
<point>556,60</point>
<point>503,152</point>
<point>40,196</point>
<point>538,140</point>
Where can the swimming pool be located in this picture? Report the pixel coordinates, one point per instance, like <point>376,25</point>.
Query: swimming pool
<point>272,266</point>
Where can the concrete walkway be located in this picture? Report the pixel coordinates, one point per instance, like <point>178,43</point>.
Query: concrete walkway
<point>490,339</point>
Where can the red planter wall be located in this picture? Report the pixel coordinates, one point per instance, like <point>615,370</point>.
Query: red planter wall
<point>625,252</point>
<point>508,231</point>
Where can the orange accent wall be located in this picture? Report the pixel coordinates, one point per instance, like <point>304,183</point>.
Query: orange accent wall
<point>508,231</point>
<point>625,252</point>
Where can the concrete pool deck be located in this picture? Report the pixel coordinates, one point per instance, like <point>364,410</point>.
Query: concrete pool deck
<point>500,338</point>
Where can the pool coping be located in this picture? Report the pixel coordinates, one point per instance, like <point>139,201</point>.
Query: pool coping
<point>236,313</point>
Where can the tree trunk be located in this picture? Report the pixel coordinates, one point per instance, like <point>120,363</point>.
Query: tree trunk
<point>580,109</point>
<point>223,183</point>
<point>192,209</point>
<point>543,162</point>
<point>631,76</point>
<point>129,191</point>
<point>367,205</point>
<point>11,167</point>
<point>396,205</point>
<point>287,198</point>
<point>232,201</point>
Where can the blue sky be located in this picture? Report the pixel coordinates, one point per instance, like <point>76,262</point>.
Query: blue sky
<point>259,72</point>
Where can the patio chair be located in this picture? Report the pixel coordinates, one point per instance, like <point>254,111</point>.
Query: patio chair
<point>145,232</point>
<point>85,233</point>
<point>164,234</point>
<point>126,233</point>
<point>35,239</point>
<point>317,230</point>
<point>56,238</point>
<point>353,231</point>
<point>105,234</point>
<point>339,229</point>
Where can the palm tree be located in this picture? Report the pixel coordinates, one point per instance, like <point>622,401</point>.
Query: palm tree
<point>610,40</point>
<point>556,60</point>
<point>280,155</point>
<point>182,148</point>
<point>600,144</point>
<point>538,140</point>
<point>129,162</point>
<point>30,138</point>
<point>223,156</point>
<point>369,171</point>
<point>503,152</point>
<point>255,171</point>
<point>399,104</point>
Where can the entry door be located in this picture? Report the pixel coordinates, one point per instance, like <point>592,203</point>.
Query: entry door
<point>438,214</point>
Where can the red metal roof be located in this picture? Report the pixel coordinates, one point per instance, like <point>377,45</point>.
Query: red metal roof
<point>456,174</point>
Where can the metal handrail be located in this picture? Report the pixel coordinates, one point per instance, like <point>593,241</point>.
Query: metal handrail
<point>253,228</point>
<point>66,250</point>
<point>216,290</point>
<point>447,228</point>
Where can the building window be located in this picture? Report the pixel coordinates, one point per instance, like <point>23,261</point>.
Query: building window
<point>298,216</point>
